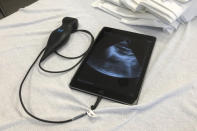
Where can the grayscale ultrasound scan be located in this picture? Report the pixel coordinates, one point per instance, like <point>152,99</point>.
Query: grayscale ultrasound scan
<point>115,66</point>
<point>118,60</point>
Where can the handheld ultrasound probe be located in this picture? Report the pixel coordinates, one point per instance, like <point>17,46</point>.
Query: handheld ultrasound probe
<point>60,36</point>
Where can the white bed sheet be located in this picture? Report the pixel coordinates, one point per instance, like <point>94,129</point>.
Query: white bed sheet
<point>168,100</point>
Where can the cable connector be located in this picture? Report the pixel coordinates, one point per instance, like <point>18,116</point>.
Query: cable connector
<point>91,113</point>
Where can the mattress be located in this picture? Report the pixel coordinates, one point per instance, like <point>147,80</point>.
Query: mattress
<point>169,92</point>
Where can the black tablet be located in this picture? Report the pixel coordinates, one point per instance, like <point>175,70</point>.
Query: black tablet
<point>115,66</point>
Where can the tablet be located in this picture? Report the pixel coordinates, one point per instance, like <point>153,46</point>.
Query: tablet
<point>115,66</point>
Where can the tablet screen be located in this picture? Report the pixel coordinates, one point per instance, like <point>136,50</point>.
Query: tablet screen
<point>115,66</point>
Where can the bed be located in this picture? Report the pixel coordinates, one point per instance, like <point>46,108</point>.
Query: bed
<point>168,100</point>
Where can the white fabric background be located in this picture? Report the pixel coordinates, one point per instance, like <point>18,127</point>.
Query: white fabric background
<point>168,100</point>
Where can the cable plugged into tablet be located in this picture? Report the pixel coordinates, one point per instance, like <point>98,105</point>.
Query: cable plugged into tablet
<point>93,107</point>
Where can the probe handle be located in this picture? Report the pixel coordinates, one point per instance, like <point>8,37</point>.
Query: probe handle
<point>60,36</point>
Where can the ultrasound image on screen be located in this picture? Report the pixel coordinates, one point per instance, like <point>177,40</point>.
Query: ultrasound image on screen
<point>118,60</point>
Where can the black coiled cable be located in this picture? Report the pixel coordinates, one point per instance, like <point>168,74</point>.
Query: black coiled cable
<point>82,56</point>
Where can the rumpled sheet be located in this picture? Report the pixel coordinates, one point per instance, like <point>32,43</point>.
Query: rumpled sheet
<point>168,100</point>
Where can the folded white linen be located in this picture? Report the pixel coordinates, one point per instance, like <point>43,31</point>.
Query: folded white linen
<point>116,2</point>
<point>134,5</point>
<point>125,13</point>
<point>152,23</point>
<point>167,18</point>
<point>167,11</point>
<point>140,19</point>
